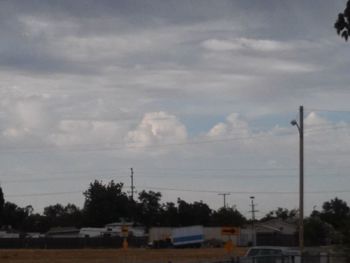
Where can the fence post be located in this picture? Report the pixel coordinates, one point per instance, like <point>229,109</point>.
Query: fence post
<point>324,257</point>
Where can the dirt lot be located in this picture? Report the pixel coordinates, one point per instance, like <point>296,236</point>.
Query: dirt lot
<point>116,256</point>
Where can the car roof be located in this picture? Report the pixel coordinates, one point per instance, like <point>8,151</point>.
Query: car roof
<point>270,247</point>
<point>286,250</point>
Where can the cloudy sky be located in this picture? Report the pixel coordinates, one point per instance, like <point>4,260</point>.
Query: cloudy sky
<point>197,96</point>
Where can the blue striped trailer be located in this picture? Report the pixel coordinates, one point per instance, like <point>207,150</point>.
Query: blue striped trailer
<point>189,236</point>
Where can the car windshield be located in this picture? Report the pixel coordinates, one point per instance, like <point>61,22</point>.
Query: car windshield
<point>253,252</point>
<point>264,252</point>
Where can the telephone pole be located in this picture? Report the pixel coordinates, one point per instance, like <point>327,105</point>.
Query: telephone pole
<point>224,197</point>
<point>253,211</point>
<point>132,187</point>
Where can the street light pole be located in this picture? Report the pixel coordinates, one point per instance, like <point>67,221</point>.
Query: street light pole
<point>300,127</point>
<point>301,172</point>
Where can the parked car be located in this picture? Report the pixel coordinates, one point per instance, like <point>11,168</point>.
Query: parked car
<point>271,255</point>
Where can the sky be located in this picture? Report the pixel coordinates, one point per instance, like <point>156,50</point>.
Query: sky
<point>196,96</point>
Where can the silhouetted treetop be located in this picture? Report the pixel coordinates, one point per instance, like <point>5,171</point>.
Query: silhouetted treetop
<point>342,25</point>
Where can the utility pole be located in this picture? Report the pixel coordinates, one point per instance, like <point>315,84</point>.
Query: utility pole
<point>253,211</point>
<point>300,127</point>
<point>301,181</point>
<point>132,187</point>
<point>224,196</point>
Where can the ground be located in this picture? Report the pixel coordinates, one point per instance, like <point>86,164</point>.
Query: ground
<point>115,255</point>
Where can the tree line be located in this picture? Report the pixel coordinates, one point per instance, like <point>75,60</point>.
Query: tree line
<point>108,202</point>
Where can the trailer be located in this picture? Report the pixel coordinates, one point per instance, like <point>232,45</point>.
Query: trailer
<point>189,236</point>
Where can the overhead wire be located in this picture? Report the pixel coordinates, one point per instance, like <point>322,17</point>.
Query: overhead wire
<point>188,177</point>
<point>189,190</point>
<point>326,110</point>
<point>162,174</point>
<point>199,142</point>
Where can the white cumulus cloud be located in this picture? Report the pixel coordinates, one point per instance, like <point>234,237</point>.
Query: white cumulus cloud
<point>157,127</point>
<point>232,126</point>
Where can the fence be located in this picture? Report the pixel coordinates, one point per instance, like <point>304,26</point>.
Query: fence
<point>323,258</point>
<point>71,243</point>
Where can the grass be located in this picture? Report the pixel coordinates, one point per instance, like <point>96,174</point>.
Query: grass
<point>116,255</point>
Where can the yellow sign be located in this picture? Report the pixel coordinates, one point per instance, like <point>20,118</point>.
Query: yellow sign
<point>230,231</point>
<point>229,246</point>
<point>125,244</point>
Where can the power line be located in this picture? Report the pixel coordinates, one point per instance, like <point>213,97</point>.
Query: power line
<point>198,177</point>
<point>328,110</point>
<point>243,192</point>
<point>31,149</point>
<point>311,131</point>
<point>48,179</point>
<point>160,169</point>
<point>44,194</point>
<point>190,190</point>
<point>220,169</point>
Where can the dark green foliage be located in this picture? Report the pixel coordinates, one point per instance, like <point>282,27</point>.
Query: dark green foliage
<point>318,232</point>
<point>342,25</point>
<point>169,215</point>
<point>36,223</point>
<point>197,213</point>
<point>331,225</point>
<point>149,208</point>
<point>281,213</point>
<point>57,215</point>
<point>14,216</point>
<point>335,212</point>
<point>228,217</point>
<point>105,203</point>
<point>2,203</point>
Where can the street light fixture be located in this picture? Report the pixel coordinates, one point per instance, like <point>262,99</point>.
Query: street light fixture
<point>300,127</point>
<point>294,123</point>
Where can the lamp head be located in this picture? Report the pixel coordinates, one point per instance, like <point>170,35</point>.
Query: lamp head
<point>294,122</point>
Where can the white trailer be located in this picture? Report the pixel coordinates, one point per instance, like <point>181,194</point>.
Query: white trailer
<point>189,236</point>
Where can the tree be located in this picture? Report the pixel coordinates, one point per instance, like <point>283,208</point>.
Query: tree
<point>228,217</point>
<point>105,203</point>
<point>54,211</point>
<point>2,202</point>
<point>36,223</point>
<point>193,214</point>
<point>169,215</point>
<point>149,208</point>
<point>318,232</point>
<point>58,215</point>
<point>342,25</point>
<point>281,213</point>
<point>335,212</point>
<point>14,216</point>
